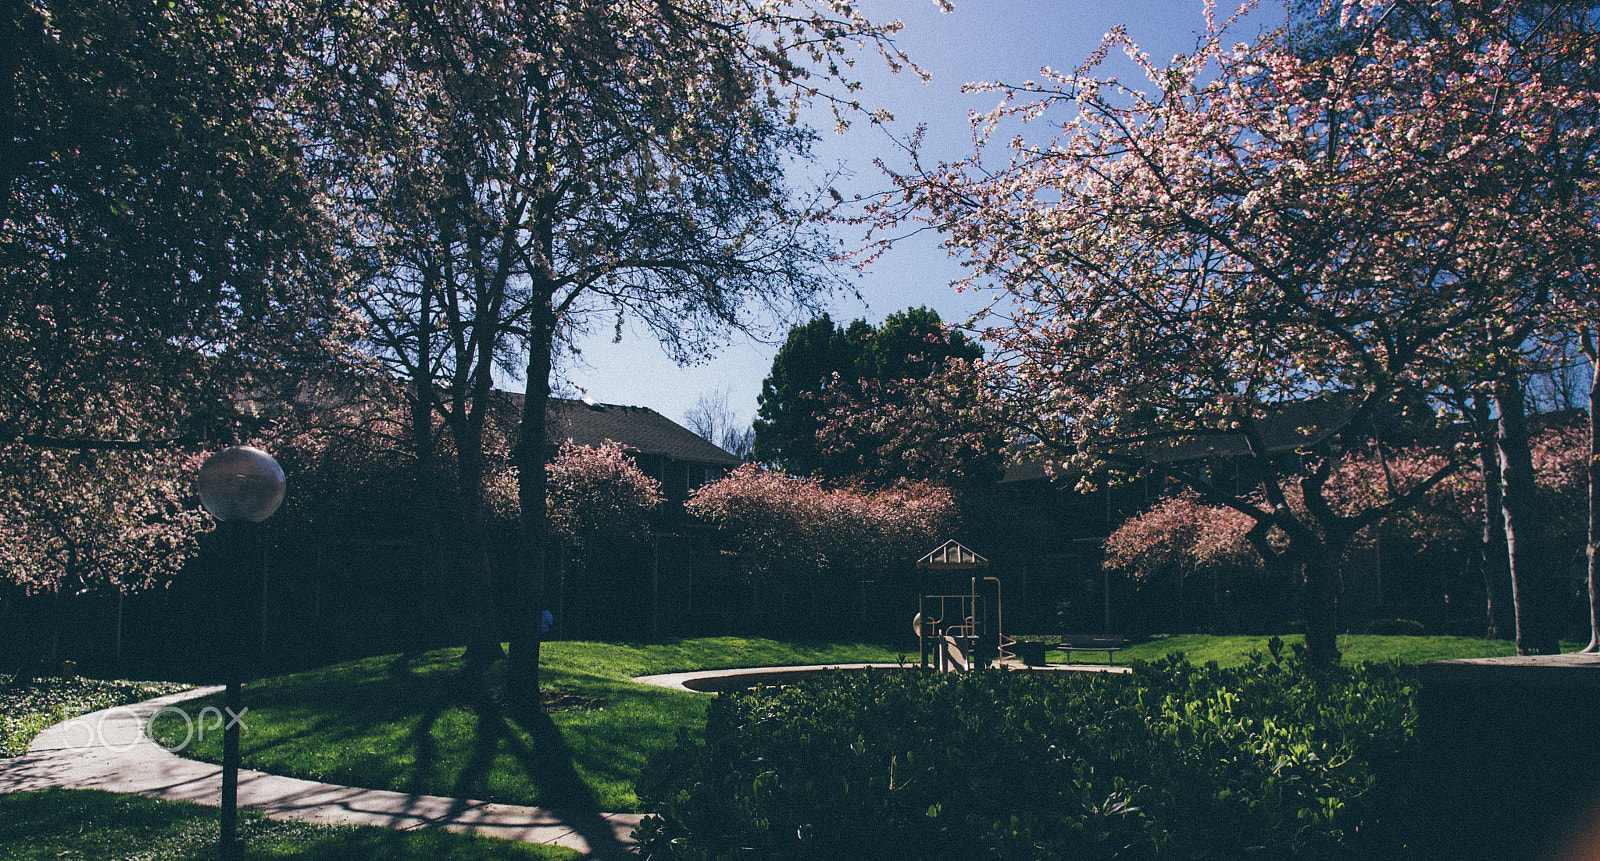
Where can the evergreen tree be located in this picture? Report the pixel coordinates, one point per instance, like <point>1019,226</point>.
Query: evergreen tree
<point>789,407</point>
<point>819,359</point>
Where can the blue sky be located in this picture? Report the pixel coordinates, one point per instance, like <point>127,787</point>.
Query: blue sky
<point>982,40</point>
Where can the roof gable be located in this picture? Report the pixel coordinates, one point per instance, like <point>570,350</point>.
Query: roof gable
<point>952,556</point>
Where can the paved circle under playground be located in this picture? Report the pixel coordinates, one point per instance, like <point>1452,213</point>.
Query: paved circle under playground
<point>717,681</point>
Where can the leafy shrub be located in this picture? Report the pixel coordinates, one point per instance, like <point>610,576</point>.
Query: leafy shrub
<point>1173,761</point>
<point>1395,627</point>
<point>797,538</point>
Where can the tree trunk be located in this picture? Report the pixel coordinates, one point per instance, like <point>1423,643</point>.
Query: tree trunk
<point>483,642</point>
<point>56,613</point>
<point>1532,577</point>
<point>468,426</point>
<point>1319,550</point>
<point>1594,497</point>
<point>522,675</point>
<point>1321,597</point>
<point>1499,622</point>
<point>429,517</point>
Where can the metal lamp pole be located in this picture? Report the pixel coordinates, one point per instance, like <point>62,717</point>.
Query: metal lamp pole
<point>239,485</point>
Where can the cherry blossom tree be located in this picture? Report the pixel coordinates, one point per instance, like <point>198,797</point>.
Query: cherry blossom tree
<point>128,527</point>
<point>162,245</point>
<point>164,270</point>
<point>348,462</point>
<point>802,541</point>
<point>1181,536</point>
<point>827,379</point>
<point>1254,228</point>
<point>598,493</point>
<point>943,427</point>
<point>1178,538</point>
<point>602,510</point>
<point>877,423</point>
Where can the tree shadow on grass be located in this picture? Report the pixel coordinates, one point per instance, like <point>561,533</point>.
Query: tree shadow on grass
<point>535,742</point>
<point>409,692</point>
<point>472,781</point>
<point>532,740</point>
<point>469,687</point>
<point>561,790</point>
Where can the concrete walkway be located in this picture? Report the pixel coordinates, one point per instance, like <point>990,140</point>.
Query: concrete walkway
<point>715,681</point>
<point>108,750</point>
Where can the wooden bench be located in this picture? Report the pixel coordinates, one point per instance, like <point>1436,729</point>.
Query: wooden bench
<point>1109,645</point>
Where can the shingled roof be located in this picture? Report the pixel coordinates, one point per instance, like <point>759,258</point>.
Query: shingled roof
<point>1288,427</point>
<point>640,430</point>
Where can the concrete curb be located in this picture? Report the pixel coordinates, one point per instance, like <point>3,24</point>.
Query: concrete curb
<point>108,750</point>
<point>715,681</point>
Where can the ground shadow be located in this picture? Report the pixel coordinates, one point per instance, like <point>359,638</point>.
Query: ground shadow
<point>535,742</point>
<point>469,687</point>
<point>561,790</point>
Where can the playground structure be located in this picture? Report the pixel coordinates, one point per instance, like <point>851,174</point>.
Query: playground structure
<point>960,632</point>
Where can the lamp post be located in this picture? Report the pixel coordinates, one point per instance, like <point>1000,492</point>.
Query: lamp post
<point>240,486</point>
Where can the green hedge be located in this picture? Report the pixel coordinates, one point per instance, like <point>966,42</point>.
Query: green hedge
<point>1173,761</point>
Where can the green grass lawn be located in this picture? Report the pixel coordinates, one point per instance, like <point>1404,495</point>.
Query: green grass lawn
<point>85,824</point>
<point>427,723</point>
<point>1232,650</point>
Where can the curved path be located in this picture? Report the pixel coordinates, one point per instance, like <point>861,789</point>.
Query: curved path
<point>713,681</point>
<point>109,750</point>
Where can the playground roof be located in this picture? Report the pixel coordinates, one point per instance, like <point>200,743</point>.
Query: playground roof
<point>951,556</point>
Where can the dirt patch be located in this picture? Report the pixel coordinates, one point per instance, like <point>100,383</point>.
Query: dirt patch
<point>558,700</point>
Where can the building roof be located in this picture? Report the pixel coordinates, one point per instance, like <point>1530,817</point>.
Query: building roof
<point>1288,427</point>
<point>640,430</point>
